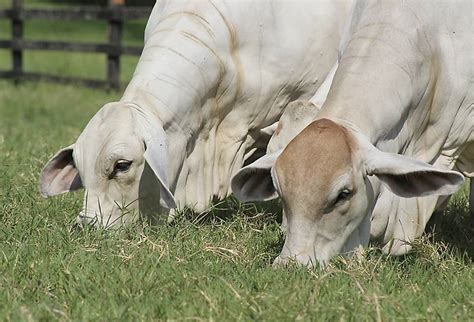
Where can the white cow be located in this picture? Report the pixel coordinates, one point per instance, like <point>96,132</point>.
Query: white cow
<point>399,117</point>
<point>211,75</point>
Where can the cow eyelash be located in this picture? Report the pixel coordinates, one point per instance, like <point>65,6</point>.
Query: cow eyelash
<point>121,166</point>
<point>344,194</point>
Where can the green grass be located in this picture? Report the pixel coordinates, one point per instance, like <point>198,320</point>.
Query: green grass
<point>217,267</point>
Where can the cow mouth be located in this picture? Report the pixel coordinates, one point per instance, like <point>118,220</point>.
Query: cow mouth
<point>320,256</point>
<point>85,219</point>
<point>285,261</point>
<point>93,219</point>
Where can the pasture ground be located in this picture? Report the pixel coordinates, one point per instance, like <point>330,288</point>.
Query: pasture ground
<point>215,267</point>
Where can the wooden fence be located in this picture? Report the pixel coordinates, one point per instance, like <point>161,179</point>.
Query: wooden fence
<point>115,14</point>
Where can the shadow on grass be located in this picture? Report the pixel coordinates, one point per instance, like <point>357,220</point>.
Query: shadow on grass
<point>455,227</point>
<point>256,215</point>
<point>229,209</point>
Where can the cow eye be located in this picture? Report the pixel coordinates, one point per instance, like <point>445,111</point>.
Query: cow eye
<point>122,166</point>
<point>344,194</point>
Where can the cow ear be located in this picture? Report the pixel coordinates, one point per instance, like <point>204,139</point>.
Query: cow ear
<point>257,181</point>
<point>60,175</point>
<point>156,151</point>
<point>156,155</point>
<point>407,177</point>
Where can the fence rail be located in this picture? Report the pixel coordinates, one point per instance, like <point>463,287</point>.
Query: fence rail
<point>67,46</point>
<point>78,13</point>
<point>115,15</point>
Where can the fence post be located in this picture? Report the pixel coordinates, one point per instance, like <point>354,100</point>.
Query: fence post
<point>17,35</point>
<point>115,37</point>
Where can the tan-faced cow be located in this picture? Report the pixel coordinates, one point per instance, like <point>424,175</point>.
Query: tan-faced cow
<point>391,142</point>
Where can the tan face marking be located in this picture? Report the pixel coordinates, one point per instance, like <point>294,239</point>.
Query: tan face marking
<point>311,163</point>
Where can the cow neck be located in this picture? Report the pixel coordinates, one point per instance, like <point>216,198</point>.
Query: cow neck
<point>179,69</point>
<point>376,90</point>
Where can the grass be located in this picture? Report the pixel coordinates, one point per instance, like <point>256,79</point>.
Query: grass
<point>216,267</point>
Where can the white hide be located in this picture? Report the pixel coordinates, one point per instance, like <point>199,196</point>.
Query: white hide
<point>405,85</point>
<point>212,74</point>
<point>410,92</point>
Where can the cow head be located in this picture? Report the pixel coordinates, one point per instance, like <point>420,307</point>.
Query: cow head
<point>322,177</point>
<point>121,160</point>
